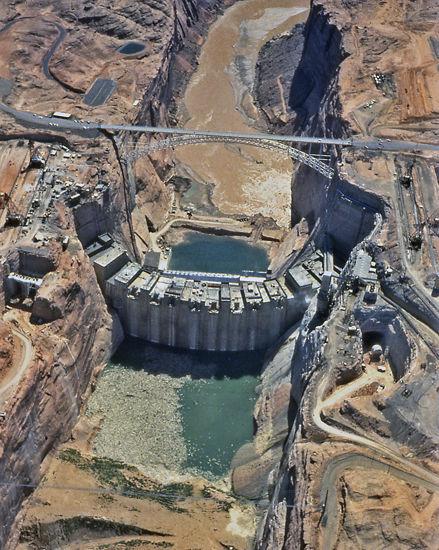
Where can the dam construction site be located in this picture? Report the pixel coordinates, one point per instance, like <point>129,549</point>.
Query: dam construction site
<point>219,274</point>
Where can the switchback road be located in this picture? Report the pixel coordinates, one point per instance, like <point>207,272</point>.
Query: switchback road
<point>26,356</point>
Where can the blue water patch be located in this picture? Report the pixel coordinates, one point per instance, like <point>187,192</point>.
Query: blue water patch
<point>217,398</point>
<point>217,412</point>
<point>131,48</point>
<point>217,254</point>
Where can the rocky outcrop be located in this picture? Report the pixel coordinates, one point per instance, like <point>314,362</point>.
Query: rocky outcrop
<point>77,339</point>
<point>297,77</point>
<point>420,395</point>
<point>277,64</point>
<point>255,465</point>
<point>55,301</point>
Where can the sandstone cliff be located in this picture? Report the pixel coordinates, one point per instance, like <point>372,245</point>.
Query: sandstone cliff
<point>77,338</point>
<point>318,495</point>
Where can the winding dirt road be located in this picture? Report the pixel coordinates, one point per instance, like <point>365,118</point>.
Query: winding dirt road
<point>381,449</point>
<point>17,371</point>
<point>404,469</point>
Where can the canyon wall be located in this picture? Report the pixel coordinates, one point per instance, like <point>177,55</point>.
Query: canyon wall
<point>146,180</point>
<point>64,354</point>
<point>307,60</point>
<point>344,210</point>
<point>68,351</point>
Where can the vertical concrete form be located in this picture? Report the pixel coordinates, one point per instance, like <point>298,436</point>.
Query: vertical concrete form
<point>202,311</point>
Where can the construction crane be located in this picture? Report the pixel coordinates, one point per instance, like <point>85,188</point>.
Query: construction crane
<point>407,179</point>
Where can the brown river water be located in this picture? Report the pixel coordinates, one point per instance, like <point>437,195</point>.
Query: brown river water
<point>245,179</point>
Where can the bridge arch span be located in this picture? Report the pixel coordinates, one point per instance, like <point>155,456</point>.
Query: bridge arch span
<point>320,163</point>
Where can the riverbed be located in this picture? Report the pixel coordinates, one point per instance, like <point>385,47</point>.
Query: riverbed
<point>243,179</point>
<point>175,413</point>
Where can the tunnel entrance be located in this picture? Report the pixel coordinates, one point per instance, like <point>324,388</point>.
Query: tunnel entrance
<point>372,338</point>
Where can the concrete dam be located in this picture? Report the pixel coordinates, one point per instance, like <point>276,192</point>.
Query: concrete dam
<point>202,311</point>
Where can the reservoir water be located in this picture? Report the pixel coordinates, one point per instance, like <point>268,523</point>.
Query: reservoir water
<point>131,47</point>
<point>217,254</point>
<point>175,412</point>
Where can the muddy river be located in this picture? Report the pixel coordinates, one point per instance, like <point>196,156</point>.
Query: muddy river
<point>219,97</point>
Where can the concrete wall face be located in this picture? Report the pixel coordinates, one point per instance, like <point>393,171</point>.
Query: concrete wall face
<point>35,262</point>
<point>174,323</point>
<point>198,311</point>
<point>90,221</point>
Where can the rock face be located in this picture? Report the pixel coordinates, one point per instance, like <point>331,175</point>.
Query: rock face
<point>55,302</point>
<point>75,334</point>
<point>66,351</point>
<point>280,56</point>
<point>322,493</point>
<point>316,74</point>
<point>6,348</point>
<point>296,75</point>
<point>419,394</point>
<point>254,464</point>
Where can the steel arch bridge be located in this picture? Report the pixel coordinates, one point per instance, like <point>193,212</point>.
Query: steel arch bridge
<point>320,163</point>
